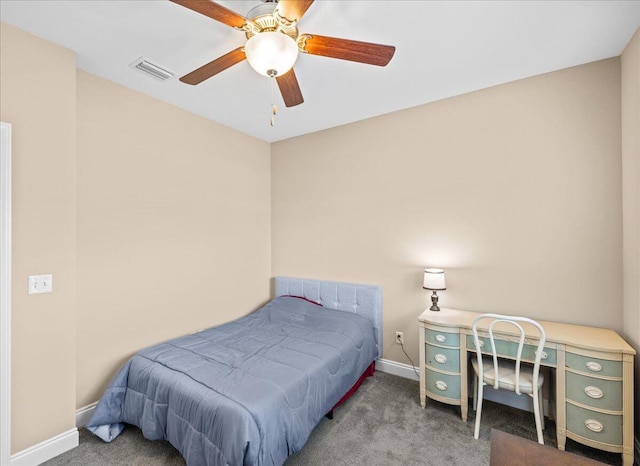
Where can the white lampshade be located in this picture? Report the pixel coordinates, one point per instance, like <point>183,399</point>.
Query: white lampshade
<point>434,279</point>
<point>271,51</point>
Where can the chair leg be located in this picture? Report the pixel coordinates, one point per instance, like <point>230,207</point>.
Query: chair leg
<point>536,413</point>
<point>476,433</point>
<point>541,408</point>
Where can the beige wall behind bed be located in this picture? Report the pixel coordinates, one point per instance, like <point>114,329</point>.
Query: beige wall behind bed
<point>173,226</point>
<point>153,221</point>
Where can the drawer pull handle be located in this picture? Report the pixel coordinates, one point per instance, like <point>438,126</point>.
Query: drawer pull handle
<point>441,338</point>
<point>593,425</point>
<point>544,355</point>
<point>593,392</point>
<point>594,366</point>
<point>440,385</point>
<point>441,358</point>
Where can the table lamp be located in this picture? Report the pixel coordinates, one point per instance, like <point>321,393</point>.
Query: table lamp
<point>434,281</point>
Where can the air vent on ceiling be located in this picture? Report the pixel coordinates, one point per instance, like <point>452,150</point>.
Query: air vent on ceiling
<point>151,69</point>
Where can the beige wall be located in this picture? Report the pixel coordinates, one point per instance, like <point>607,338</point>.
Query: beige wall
<point>630,66</point>
<point>174,227</point>
<point>515,190</point>
<point>168,219</point>
<point>38,98</point>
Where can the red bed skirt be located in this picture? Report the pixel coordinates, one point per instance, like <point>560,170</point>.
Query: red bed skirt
<point>369,371</point>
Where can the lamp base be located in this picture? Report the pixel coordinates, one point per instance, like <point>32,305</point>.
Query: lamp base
<point>434,302</point>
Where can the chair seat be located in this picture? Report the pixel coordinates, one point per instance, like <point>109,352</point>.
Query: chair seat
<point>507,374</point>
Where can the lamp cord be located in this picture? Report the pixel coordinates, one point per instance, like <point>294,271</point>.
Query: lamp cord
<point>413,366</point>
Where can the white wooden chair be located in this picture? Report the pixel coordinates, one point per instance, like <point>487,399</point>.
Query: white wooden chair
<point>506,373</point>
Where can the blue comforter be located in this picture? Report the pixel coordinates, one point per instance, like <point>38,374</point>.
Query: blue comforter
<point>245,393</point>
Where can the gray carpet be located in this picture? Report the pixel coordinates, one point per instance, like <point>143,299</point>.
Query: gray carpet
<point>382,424</point>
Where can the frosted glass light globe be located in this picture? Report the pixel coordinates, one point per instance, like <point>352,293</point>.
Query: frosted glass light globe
<point>270,52</point>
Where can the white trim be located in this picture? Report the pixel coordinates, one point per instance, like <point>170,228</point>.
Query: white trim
<point>84,414</point>
<point>5,293</point>
<point>397,368</point>
<point>48,449</point>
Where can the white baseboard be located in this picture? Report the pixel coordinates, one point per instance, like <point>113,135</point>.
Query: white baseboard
<point>397,368</point>
<point>46,450</point>
<point>84,414</point>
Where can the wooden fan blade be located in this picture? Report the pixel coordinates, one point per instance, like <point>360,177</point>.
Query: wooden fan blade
<point>214,11</point>
<point>214,67</point>
<point>345,49</point>
<point>292,10</point>
<point>289,88</point>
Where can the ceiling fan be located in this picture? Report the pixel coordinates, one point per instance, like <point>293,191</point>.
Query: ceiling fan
<point>273,43</point>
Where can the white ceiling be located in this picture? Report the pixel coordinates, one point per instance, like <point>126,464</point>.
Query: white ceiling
<point>443,48</point>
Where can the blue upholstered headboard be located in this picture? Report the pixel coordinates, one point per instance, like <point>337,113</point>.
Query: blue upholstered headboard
<point>365,300</point>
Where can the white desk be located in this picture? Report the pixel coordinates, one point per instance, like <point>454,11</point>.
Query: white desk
<point>593,375</point>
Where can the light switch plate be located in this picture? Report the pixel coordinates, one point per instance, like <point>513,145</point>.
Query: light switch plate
<point>40,284</point>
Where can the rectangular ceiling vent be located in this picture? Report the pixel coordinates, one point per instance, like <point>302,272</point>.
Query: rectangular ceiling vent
<point>151,69</point>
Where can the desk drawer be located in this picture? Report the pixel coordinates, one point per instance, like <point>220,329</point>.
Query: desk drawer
<point>595,366</point>
<point>605,428</point>
<point>442,338</point>
<point>443,384</point>
<point>444,359</point>
<point>598,393</point>
<point>509,349</point>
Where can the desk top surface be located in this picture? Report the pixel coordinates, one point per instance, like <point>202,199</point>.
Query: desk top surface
<point>599,339</point>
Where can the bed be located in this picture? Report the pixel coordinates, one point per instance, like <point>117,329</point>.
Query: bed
<point>250,392</point>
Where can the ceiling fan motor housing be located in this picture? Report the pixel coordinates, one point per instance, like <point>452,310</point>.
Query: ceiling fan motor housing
<point>266,19</point>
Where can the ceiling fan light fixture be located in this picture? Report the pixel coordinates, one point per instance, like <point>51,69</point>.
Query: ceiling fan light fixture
<point>271,53</point>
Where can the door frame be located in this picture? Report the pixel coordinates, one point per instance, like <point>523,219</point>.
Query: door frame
<point>5,293</point>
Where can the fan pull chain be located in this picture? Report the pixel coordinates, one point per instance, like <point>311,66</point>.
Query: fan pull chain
<point>274,109</point>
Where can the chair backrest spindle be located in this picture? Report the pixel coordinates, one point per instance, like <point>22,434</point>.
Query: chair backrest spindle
<point>514,322</point>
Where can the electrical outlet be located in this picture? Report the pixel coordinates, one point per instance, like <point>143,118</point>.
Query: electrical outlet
<point>400,338</point>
